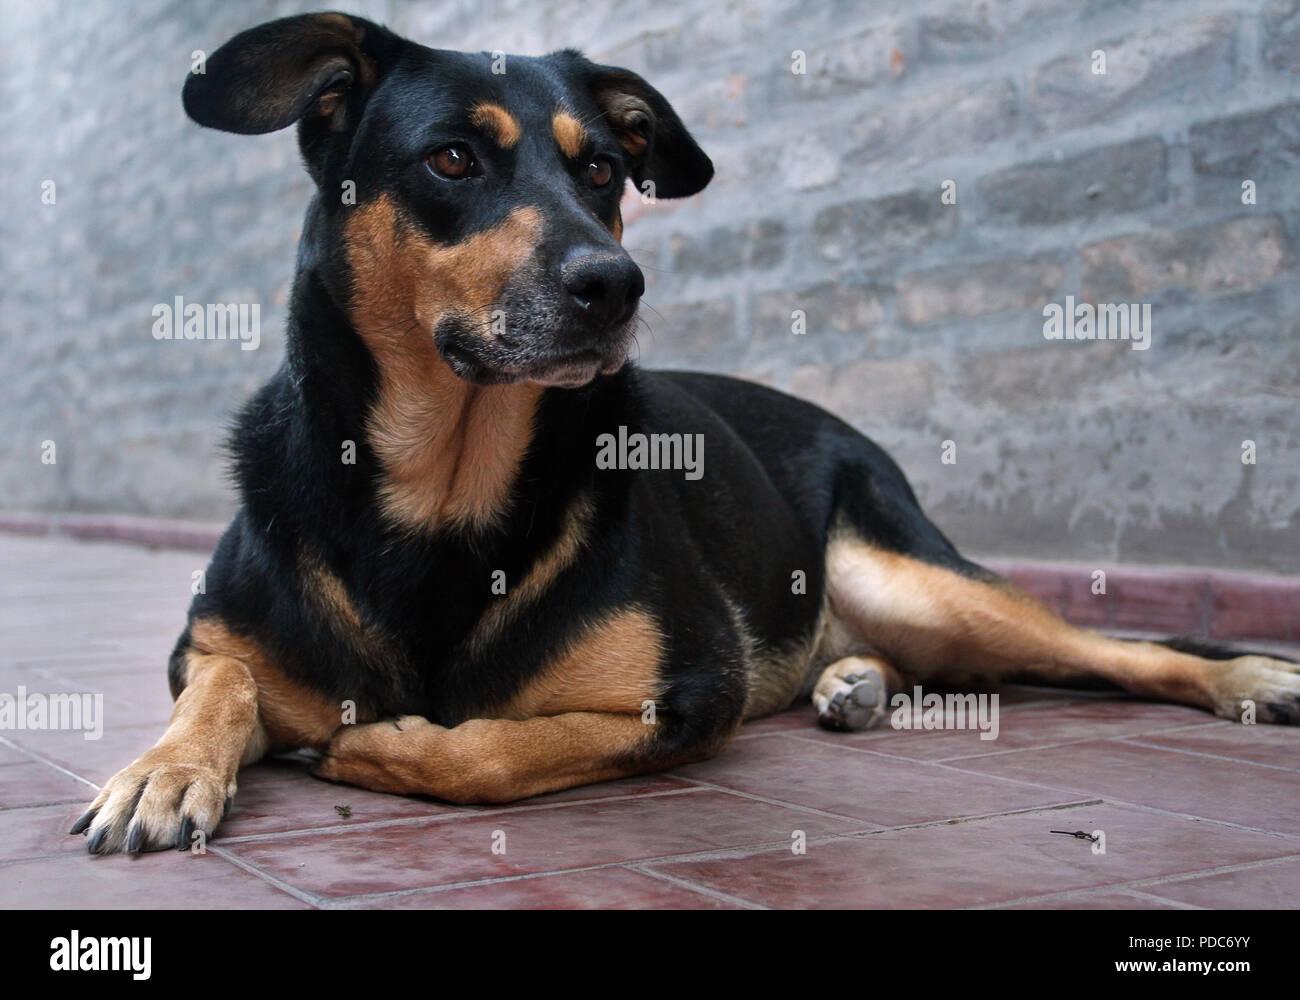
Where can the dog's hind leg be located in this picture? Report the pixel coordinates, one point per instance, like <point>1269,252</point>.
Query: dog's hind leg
<point>952,627</point>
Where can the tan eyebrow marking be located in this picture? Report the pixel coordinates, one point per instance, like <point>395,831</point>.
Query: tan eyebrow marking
<point>497,120</point>
<point>569,133</point>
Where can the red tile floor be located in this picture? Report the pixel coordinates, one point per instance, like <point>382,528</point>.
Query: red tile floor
<point>1196,812</point>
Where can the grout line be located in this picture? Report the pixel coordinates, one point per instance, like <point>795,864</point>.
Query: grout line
<point>45,760</point>
<point>1047,701</point>
<point>39,805</point>
<point>1137,741</point>
<point>1177,904</point>
<point>995,753</point>
<point>982,817</point>
<point>776,802</point>
<point>836,746</point>
<point>703,890</point>
<point>1155,881</point>
<point>348,902</point>
<point>1095,738</point>
<point>712,854</point>
<point>449,817</point>
<point>300,894</point>
<point>1279,835</point>
<point>1131,804</point>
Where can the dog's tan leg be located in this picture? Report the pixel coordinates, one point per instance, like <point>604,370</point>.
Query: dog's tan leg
<point>490,760</point>
<point>853,693</point>
<point>941,625</point>
<point>185,782</point>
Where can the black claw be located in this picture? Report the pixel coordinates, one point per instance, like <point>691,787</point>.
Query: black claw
<point>134,840</point>
<point>225,810</point>
<point>1281,712</point>
<point>83,824</point>
<point>97,841</point>
<point>183,838</point>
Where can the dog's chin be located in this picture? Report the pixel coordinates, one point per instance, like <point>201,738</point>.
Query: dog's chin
<point>575,372</point>
<point>568,371</point>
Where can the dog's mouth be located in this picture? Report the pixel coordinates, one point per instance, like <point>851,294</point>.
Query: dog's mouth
<point>481,362</point>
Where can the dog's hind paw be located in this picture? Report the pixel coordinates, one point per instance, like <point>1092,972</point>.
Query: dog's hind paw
<point>856,701</point>
<point>1257,688</point>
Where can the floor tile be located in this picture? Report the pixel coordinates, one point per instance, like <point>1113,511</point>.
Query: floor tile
<point>1098,901</point>
<point>37,784</point>
<point>167,880</point>
<point>95,760</point>
<point>878,790</point>
<point>1266,887</point>
<point>981,862</point>
<point>1258,797</point>
<point>1277,746</point>
<point>599,889</point>
<point>561,837</point>
<point>40,832</point>
<point>276,796</point>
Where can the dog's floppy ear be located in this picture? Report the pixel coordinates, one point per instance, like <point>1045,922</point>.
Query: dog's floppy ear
<point>310,68</point>
<point>659,148</point>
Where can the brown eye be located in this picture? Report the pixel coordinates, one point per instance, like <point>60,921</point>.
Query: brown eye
<point>599,172</point>
<point>452,162</point>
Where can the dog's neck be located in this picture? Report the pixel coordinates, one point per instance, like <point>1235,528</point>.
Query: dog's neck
<point>447,452</point>
<point>450,451</point>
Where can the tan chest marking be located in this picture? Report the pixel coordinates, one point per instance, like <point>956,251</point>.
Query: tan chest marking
<point>449,450</point>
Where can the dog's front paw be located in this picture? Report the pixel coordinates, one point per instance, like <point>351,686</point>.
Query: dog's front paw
<point>1268,688</point>
<point>160,801</point>
<point>383,756</point>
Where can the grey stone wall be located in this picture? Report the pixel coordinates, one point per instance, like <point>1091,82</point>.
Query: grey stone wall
<point>924,320</point>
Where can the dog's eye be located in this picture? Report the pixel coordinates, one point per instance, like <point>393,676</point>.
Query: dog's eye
<point>453,162</point>
<point>599,171</point>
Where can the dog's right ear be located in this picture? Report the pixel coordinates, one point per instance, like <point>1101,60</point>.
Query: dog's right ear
<point>314,68</point>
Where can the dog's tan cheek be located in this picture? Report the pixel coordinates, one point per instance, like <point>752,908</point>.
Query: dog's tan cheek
<point>448,449</point>
<point>469,277</point>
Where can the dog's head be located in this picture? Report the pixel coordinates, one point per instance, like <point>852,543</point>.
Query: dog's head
<point>470,198</point>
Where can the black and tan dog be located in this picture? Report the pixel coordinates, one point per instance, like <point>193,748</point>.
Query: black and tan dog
<point>461,326</point>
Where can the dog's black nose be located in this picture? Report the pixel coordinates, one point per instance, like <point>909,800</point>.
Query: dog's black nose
<point>605,287</point>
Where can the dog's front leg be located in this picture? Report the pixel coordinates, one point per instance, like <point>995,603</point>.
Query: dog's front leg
<point>491,760</point>
<point>185,782</point>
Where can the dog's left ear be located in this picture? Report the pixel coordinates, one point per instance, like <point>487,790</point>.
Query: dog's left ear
<point>313,68</point>
<point>659,148</point>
